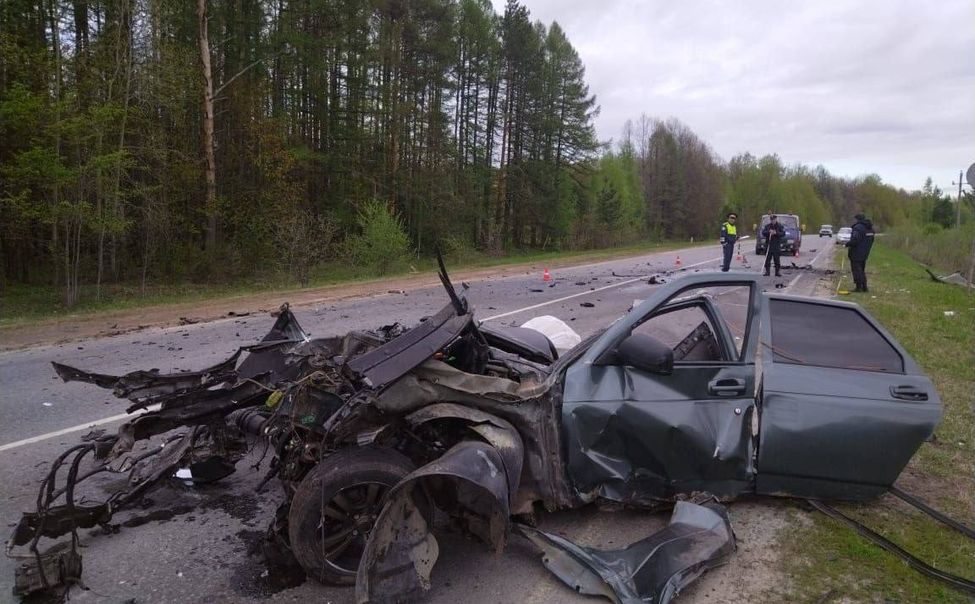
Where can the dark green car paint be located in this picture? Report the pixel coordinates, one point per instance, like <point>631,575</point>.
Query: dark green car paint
<point>634,436</point>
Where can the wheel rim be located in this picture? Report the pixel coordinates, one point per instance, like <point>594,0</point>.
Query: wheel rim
<point>345,522</point>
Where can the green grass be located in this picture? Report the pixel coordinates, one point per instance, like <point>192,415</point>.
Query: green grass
<point>28,303</point>
<point>948,250</point>
<point>825,557</point>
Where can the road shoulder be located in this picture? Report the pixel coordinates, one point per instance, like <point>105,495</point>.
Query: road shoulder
<point>72,328</point>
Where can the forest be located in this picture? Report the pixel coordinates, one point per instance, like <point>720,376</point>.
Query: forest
<point>168,141</point>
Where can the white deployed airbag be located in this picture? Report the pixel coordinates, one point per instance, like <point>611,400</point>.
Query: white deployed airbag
<point>556,330</point>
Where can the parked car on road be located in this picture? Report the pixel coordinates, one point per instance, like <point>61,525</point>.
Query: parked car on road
<point>826,230</point>
<point>843,235</point>
<point>374,431</point>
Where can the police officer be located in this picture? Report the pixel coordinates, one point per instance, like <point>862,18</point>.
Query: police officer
<point>773,233</point>
<point>729,235</point>
<point>861,240</point>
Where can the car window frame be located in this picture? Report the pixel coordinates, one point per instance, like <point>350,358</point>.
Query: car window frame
<point>908,365</point>
<point>710,313</point>
<point>607,342</point>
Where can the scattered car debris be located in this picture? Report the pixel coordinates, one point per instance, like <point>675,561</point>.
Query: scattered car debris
<point>372,432</point>
<point>656,280</point>
<point>587,305</point>
<point>93,435</point>
<point>952,279</point>
<point>56,567</point>
<point>794,266</point>
<point>186,321</point>
<point>653,570</point>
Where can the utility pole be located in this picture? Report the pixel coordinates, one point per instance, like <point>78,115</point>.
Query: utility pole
<point>958,205</point>
<point>970,177</point>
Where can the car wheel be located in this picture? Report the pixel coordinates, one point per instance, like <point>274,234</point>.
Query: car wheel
<point>335,507</point>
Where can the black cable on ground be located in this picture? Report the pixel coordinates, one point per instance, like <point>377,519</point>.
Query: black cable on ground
<point>959,583</point>
<point>940,517</point>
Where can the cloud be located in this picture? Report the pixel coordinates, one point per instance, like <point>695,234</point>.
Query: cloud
<point>860,87</point>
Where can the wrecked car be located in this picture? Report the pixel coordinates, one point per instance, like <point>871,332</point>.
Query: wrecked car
<point>708,390</point>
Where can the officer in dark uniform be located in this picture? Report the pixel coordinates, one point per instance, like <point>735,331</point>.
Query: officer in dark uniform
<point>861,240</point>
<point>729,235</point>
<point>773,233</point>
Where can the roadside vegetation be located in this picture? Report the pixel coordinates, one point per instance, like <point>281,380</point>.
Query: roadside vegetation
<point>828,562</point>
<point>145,155</point>
<point>945,250</point>
<point>28,303</point>
<point>930,234</point>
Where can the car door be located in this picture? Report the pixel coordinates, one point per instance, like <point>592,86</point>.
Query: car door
<point>842,406</point>
<point>633,435</point>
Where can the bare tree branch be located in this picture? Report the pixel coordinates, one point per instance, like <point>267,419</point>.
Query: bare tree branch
<point>241,72</point>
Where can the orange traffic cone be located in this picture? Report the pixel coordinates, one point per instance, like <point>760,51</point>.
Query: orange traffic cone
<point>546,276</point>
<point>678,263</point>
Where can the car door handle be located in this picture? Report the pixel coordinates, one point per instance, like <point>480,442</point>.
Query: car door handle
<point>726,387</point>
<point>908,393</point>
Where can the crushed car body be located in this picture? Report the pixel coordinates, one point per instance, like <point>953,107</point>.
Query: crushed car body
<point>376,432</point>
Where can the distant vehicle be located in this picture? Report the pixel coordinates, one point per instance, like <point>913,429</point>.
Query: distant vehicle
<point>843,235</point>
<point>793,235</point>
<point>826,230</point>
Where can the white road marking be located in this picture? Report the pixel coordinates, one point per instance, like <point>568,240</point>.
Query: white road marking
<point>591,291</point>
<point>63,431</point>
<point>121,416</point>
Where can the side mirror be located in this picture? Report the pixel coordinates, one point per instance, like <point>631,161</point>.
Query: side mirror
<point>645,352</point>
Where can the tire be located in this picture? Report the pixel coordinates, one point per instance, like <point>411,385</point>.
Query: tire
<point>354,484</point>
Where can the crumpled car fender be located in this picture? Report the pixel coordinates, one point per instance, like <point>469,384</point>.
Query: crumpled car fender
<point>496,431</point>
<point>470,482</point>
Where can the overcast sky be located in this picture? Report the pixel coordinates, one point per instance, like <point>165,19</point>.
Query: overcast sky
<point>886,87</point>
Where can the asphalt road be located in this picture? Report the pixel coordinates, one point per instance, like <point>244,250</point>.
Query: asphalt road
<point>200,546</point>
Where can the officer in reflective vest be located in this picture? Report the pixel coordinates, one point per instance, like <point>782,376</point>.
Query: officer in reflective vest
<point>729,235</point>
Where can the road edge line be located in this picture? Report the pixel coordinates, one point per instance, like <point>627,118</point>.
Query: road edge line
<point>98,422</point>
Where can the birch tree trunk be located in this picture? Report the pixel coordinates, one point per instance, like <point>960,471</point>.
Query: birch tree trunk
<point>211,167</point>
<point>56,43</point>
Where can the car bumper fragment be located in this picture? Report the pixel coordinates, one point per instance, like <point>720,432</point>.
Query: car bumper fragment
<point>655,569</point>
